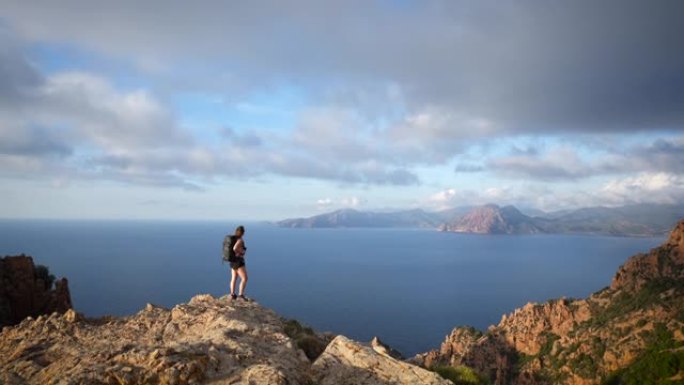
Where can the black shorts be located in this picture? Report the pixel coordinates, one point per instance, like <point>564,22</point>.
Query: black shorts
<point>237,263</point>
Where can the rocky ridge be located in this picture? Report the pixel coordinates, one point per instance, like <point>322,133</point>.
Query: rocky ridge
<point>27,290</point>
<point>205,341</point>
<point>614,336</point>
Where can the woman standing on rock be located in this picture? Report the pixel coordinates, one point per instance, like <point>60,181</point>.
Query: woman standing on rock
<point>237,264</point>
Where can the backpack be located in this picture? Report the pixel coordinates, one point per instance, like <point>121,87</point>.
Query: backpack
<point>228,244</point>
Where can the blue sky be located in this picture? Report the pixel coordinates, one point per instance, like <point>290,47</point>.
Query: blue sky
<point>263,110</point>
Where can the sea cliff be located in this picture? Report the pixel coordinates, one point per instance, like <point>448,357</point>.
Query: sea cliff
<point>619,335</point>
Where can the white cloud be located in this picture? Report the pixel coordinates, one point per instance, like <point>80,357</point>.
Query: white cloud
<point>324,202</point>
<point>659,187</point>
<point>352,202</point>
<point>443,199</point>
<point>580,158</point>
<point>79,125</point>
<point>118,120</point>
<point>560,162</point>
<point>434,135</point>
<point>644,188</point>
<point>443,196</point>
<point>343,202</point>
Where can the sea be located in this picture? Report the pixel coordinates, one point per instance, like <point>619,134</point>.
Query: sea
<point>409,287</point>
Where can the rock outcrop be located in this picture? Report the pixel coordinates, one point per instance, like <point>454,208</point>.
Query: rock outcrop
<point>345,362</point>
<point>666,262</point>
<point>492,219</point>
<point>637,320</point>
<point>206,341</point>
<point>385,349</point>
<point>26,290</point>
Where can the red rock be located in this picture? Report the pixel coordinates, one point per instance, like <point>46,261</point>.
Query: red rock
<point>559,337</point>
<point>24,294</point>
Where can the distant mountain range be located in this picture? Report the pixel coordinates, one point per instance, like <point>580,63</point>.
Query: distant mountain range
<point>631,220</point>
<point>355,218</point>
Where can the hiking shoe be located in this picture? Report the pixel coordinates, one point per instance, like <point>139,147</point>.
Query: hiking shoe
<point>242,297</point>
<point>233,297</point>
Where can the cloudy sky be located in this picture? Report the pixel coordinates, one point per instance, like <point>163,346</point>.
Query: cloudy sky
<point>269,109</point>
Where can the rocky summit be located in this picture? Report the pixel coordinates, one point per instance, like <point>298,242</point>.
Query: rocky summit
<point>205,341</point>
<point>631,332</point>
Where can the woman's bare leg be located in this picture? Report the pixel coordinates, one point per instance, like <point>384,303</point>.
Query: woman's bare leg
<point>233,279</point>
<point>242,272</point>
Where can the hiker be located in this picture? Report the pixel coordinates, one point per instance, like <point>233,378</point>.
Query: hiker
<point>234,249</point>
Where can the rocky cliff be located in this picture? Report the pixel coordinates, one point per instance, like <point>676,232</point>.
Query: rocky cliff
<point>631,332</point>
<point>206,341</point>
<point>492,219</point>
<point>27,290</point>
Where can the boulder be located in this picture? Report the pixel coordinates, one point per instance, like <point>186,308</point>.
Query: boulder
<point>345,362</point>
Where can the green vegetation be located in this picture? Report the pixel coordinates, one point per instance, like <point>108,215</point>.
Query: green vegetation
<point>459,375</point>
<point>603,291</point>
<point>544,351</point>
<point>583,365</point>
<point>293,328</point>
<point>472,331</point>
<point>679,315</point>
<point>663,359</point>
<point>43,273</point>
<point>625,303</point>
<point>523,359</point>
<point>548,345</point>
<point>598,347</point>
<point>551,362</point>
<point>305,338</point>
